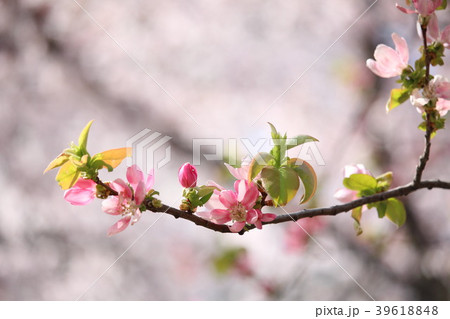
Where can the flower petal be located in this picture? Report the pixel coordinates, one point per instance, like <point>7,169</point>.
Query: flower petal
<point>139,193</point>
<point>401,46</point>
<point>134,175</point>
<point>268,217</point>
<point>247,193</point>
<point>228,198</point>
<point>237,227</point>
<point>345,195</point>
<point>119,226</point>
<point>111,205</point>
<point>221,216</point>
<point>252,216</point>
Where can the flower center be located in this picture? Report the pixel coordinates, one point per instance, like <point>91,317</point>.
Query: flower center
<point>238,212</point>
<point>128,207</point>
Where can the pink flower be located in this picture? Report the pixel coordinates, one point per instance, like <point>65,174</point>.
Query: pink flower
<point>82,193</point>
<point>422,7</point>
<point>240,172</point>
<point>297,232</point>
<point>434,34</point>
<point>263,218</point>
<point>389,62</point>
<point>187,175</point>
<point>236,206</point>
<point>130,197</point>
<point>439,88</point>
<point>345,195</point>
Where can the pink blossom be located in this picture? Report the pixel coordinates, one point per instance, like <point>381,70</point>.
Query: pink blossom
<point>345,195</point>
<point>389,62</point>
<point>422,7</point>
<point>263,218</point>
<point>439,88</point>
<point>130,197</point>
<point>82,193</point>
<point>241,172</point>
<point>236,206</point>
<point>297,232</point>
<point>187,175</point>
<point>434,33</point>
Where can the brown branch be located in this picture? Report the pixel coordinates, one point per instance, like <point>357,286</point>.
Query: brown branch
<point>429,128</point>
<point>328,211</point>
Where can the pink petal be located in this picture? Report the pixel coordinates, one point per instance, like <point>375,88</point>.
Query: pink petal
<point>345,195</point>
<point>228,198</point>
<point>258,224</point>
<point>445,36</point>
<point>111,205</point>
<point>443,106</point>
<point>136,216</point>
<point>433,27</point>
<point>238,173</point>
<point>402,9</point>
<point>252,216</point>
<point>237,227</point>
<point>268,217</point>
<point>214,202</point>
<point>139,193</point>
<point>134,175</point>
<point>221,216</point>
<point>402,48</point>
<point>121,187</point>
<point>247,193</point>
<point>82,193</point>
<point>442,89</point>
<point>119,226</point>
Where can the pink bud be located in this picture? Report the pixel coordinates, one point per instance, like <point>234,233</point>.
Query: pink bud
<point>187,175</point>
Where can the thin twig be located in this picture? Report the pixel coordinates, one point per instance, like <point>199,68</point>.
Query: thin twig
<point>327,211</point>
<point>429,128</point>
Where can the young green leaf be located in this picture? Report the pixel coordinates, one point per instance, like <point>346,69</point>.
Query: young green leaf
<point>398,96</point>
<point>307,175</point>
<point>113,157</point>
<point>68,175</point>
<point>82,139</point>
<point>395,211</point>
<point>360,182</point>
<point>299,140</point>
<point>260,161</point>
<point>275,134</point>
<point>356,215</point>
<point>58,161</point>
<point>280,183</point>
<point>381,208</point>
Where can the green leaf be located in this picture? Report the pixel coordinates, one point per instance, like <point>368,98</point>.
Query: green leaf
<point>68,175</point>
<point>58,161</point>
<point>205,198</point>
<point>381,208</point>
<point>307,175</point>
<point>443,5</point>
<point>82,139</point>
<point>398,96</point>
<point>205,190</point>
<point>360,182</point>
<point>384,181</point>
<point>299,140</point>
<point>275,134</point>
<point>395,211</point>
<point>280,183</point>
<point>111,158</point>
<point>260,161</point>
<point>356,215</point>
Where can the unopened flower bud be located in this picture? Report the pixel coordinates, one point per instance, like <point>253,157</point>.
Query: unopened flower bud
<point>187,175</point>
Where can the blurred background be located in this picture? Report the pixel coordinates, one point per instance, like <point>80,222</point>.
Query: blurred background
<point>224,67</point>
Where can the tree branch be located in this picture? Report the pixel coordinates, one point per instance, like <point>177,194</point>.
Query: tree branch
<point>429,128</point>
<point>327,211</point>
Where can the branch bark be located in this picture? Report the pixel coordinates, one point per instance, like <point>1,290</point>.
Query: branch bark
<point>326,211</point>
